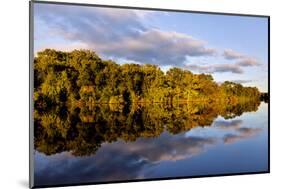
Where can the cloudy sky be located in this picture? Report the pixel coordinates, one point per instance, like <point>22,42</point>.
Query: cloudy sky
<point>233,48</point>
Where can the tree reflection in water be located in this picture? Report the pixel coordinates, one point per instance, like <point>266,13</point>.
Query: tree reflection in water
<point>82,130</point>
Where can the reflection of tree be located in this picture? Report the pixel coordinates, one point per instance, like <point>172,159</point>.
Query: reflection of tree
<point>231,111</point>
<point>82,130</point>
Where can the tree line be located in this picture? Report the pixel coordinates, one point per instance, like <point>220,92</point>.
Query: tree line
<point>81,77</point>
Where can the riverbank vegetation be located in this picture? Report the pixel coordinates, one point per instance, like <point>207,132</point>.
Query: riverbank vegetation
<point>82,78</point>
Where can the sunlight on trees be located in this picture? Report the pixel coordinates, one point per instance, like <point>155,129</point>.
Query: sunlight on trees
<point>81,77</point>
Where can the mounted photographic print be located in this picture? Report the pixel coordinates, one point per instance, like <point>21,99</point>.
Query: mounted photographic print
<point>122,94</point>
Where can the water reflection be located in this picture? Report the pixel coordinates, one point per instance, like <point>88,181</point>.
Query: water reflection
<point>111,143</point>
<point>82,130</point>
<point>116,163</point>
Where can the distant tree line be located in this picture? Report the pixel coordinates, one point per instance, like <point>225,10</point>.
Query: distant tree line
<point>81,77</point>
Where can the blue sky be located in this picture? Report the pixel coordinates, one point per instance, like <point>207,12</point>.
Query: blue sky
<point>233,48</point>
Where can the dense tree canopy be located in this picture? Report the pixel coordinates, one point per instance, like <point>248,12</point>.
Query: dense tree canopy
<point>81,77</point>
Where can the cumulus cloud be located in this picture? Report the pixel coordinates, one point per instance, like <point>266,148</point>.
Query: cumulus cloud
<point>248,62</point>
<point>213,68</point>
<point>231,54</point>
<point>120,33</point>
<point>123,35</point>
<point>157,47</point>
<point>236,67</point>
<point>242,60</point>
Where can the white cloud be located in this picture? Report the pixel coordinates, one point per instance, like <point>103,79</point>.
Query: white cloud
<point>121,34</point>
<point>249,62</point>
<point>231,54</point>
<point>243,60</point>
<point>220,68</point>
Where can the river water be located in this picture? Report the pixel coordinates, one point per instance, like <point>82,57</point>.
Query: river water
<point>150,147</point>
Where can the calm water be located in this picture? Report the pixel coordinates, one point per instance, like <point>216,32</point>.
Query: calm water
<point>153,142</point>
